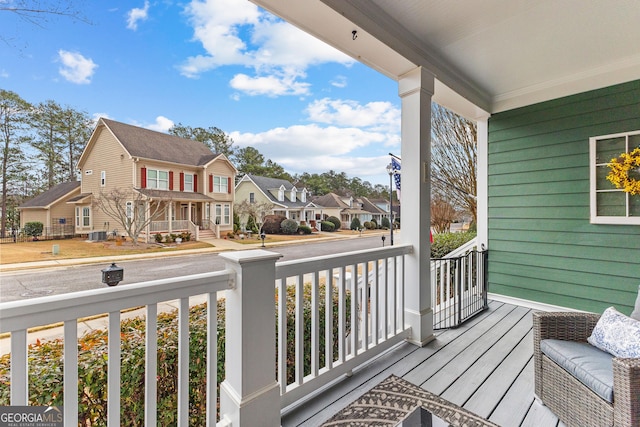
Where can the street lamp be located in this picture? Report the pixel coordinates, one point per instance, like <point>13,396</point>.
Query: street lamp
<point>391,170</point>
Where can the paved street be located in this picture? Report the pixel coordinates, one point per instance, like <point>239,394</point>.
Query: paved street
<point>32,283</point>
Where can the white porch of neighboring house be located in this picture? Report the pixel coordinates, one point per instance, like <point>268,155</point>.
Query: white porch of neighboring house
<point>186,212</point>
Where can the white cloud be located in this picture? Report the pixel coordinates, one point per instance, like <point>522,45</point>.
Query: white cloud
<point>236,32</point>
<point>339,81</point>
<point>4,74</point>
<point>381,116</point>
<point>75,67</point>
<point>162,124</point>
<point>269,85</point>
<point>137,14</point>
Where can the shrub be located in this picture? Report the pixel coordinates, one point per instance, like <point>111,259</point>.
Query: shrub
<point>185,236</point>
<point>33,229</point>
<point>304,229</point>
<point>169,238</point>
<point>46,363</point>
<point>288,226</point>
<point>272,223</point>
<point>385,223</point>
<point>158,238</point>
<point>337,224</point>
<point>443,243</point>
<point>355,224</point>
<point>251,224</point>
<point>327,226</point>
<point>374,224</point>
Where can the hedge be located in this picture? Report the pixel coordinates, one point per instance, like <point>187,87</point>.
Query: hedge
<point>443,243</point>
<point>46,369</point>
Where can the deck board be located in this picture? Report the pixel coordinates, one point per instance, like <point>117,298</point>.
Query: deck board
<point>485,365</point>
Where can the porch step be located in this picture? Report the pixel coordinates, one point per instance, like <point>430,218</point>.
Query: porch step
<point>206,234</point>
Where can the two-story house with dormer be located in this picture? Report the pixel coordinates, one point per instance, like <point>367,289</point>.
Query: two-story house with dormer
<point>288,200</point>
<point>194,184</point>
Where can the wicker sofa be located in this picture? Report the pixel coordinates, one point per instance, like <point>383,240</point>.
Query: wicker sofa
<point>574,403</point>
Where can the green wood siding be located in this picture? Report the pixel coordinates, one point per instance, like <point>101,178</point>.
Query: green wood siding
<point>542,246</point>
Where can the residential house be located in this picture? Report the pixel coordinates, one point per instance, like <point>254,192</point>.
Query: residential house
<point>52,210</point>
<point>347,208</point>
<point>288,200</point>
<point>192,185</point>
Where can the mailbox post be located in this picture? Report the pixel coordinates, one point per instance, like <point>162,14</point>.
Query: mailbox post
<point>112,275</point>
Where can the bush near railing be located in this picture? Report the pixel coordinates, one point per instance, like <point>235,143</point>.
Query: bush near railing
<point>291,323</point>
<point>46,365</point>
<point>443,243</point>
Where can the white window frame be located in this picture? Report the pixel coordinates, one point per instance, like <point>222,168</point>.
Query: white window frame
<point>594,165</point>
<point>220,184</point>
<point>103,178</point>
<point>85,216</point>
<point>129,210</point>
<point>158,182</point>
<point>252,197</point>
<point>222,214</point>
<point>281,194</point>
<point>188,183</point>
<point>303,196</point>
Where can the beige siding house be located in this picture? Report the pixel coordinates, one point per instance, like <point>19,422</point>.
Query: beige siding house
<point>192,185</point>
<point>288,200</point>
<point>347,208</point>
<point>52,210</point>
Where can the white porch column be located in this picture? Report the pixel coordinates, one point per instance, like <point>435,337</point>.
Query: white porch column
<point>482,182</point>
<point>189,211</point>
<point>250,395</point>
<point>170,217</point>
<point>416,89</point>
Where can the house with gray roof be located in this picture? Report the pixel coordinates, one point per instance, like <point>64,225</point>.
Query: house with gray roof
<point>348,208</point>
<point>180,182</point>
<point>287,199</point>
<point>52,210</point>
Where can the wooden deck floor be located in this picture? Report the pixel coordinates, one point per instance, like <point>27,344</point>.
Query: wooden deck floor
<point>485,365</point>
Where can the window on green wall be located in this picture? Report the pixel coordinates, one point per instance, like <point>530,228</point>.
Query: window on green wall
<point>611,205</point>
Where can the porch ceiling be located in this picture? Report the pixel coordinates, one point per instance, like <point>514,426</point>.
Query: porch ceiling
<point>497,54</point>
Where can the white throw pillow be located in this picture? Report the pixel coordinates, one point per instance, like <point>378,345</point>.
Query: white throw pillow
<point>617,334</point>
<point>636,311</point>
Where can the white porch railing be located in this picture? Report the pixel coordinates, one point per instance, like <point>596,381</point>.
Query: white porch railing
<point>374,282</point>
<point>176,225</point>
<point>250,395</point>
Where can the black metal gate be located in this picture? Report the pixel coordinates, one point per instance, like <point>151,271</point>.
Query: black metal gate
<point>458,288</point>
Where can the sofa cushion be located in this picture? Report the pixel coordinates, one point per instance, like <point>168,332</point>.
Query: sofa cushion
<point>589,365</point>
<point>617,334</point>
<point>636,310</point>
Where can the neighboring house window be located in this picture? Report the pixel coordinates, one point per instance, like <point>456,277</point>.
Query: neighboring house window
<point>129,211</point>
<point>220,184</point>
<point>281,194</point>
<point>83,216</point>
<point>252,197</point>
<point>611,205</point>
<point>223,214</point>
<point>293,194</point>
<point>188,182</point>
<point>103,178</point>
<point>303,196</point>
<point>157,179</point>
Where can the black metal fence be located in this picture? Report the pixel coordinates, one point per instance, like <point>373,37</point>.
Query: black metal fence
<point>458,288</point>
<point>57,232</point>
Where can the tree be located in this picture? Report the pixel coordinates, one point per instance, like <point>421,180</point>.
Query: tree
<point>75,129</point>
<point>258,211</point>
<point>213,137</point>
<point>14,115</point>
<point>442,214</point>
<point>127,208</point>
<point>39,13</point>
<point>248,160</point>
<point>48,140</point>
<point>454,159</point>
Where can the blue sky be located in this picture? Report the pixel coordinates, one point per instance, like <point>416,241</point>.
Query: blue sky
<point>223,63</point>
